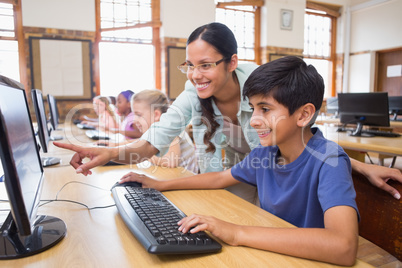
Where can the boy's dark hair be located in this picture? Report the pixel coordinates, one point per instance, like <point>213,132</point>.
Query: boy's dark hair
<point>223,40</point>
<point>289,80</point>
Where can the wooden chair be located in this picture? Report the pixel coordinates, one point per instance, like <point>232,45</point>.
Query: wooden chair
<point>380,215</point>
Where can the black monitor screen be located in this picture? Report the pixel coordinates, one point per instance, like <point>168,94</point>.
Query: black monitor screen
<point>364,109</point>
<point>18,137</point>
<point>43,131</point>
<point>54,113</point>
<point>23,233</point>
<point>395,106</point>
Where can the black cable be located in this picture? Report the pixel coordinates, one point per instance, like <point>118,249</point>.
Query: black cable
<point>72,201</point>
<point>75,202</point>
<point>47,201</point>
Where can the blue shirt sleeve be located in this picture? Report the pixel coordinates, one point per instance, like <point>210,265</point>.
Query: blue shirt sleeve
<point>246,170</point>
<point>335,186</point>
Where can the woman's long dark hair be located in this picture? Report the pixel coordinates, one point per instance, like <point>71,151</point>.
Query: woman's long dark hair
<point>222,39</point>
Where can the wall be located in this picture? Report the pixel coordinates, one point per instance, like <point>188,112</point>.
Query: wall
<point>377,27</point>
<point>59,14</point>
<point>373,28</point>
<point>272,34</point>
<point>181,17</point>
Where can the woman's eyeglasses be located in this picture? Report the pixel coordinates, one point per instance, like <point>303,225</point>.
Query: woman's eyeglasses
<point>202,68</point>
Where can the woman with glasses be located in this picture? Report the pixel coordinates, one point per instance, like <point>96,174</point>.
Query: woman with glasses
<point>212,103</point>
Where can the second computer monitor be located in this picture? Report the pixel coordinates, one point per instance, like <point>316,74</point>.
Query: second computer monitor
<point>364,109</point>
<point>395,106</point>
<point>43,131</point>
<point>54,113</point>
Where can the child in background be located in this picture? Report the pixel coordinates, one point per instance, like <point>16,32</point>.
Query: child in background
<point>126,126</point>
<point>300,176</point>
<point>148,106</point>
<point>106,115</point>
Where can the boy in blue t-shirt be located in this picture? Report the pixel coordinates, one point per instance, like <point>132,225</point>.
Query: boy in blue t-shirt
<point>301,177</point>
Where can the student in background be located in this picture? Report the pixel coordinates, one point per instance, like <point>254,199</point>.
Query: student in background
<point>301,177</point>
<point>126,125</point>
<point>212,103</point>
<point>148,107</point>
<point>106,115</point>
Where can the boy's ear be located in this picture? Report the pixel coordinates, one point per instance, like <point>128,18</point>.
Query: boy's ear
<point>306,115</point>
<point>157,115</point>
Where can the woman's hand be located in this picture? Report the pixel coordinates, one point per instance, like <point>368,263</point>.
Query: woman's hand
<point>379,175</point>
<point>98,156</point>
<point>227,232</point>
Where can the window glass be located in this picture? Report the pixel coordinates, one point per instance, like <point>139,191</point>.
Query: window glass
<point>125,66</point>
<point>240,19</point>
<point>9,64</point>
<point>126,52</point>
<point>317,47</point>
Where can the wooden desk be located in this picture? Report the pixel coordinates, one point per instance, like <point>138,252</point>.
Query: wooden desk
<point>321,120</point>
<point>99,238</point>
<point>356,147</point>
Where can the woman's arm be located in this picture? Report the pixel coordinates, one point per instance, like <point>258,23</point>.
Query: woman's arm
<point>131,153</point>
<point>379,175</point>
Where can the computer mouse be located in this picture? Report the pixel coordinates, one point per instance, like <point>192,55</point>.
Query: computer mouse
<point>129,183</point>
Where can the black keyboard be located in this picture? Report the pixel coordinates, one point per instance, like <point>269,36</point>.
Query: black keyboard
<point>97,135</point>
<point>50,161</point>
<point>152,219</point>
<point>381,133</point>
<point>84,126</point>
<point>373,132</point>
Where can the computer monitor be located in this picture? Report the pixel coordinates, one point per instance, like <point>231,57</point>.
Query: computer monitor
<point>364,109</point>
<point>53,110</point>
<point>43,130</point>
<point>23,233</point>
<point>332,106</point>
<point>395,106</point>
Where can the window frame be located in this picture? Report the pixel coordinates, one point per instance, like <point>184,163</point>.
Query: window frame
<point>256,4</point>
<point>155,23</point>
<point>19,37</point>
<point>332,15</point>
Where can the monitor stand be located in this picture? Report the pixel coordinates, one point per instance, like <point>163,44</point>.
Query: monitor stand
<point>358,131</point>
<point>47,231</point>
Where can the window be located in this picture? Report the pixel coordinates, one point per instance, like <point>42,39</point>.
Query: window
<point>127,46</point>
<point>244,20</point>
<point>319,43</point>
<point>9,64</point>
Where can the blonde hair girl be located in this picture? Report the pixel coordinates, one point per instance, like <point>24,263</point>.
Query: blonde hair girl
<point>148,107</point>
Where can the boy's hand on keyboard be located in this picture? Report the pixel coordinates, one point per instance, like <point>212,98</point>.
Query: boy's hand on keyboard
<point>227,232</point>
<point>146,181</point>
